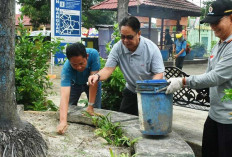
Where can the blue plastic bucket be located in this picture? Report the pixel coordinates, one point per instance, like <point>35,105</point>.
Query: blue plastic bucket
<point>155,108</point>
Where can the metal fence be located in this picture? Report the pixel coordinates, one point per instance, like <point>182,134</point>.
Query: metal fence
<point>187,97</point>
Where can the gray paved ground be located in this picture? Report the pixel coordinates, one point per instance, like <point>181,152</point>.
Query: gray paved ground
<point>194,69</point>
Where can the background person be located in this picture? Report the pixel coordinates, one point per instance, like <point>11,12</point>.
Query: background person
<point>137,57</point>
<point>179,49</point>
<point>217,133</point>
<point>81,63</point>
<point>168,42</point>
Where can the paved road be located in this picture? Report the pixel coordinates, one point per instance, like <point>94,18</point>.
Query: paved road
<point>194,69</point>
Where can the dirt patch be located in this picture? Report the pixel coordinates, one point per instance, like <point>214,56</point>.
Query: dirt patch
<point>78,141</point>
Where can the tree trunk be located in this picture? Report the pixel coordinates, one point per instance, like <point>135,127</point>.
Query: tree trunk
<point>122,9</point>
<point>7,99</point>
<point>17,138</point>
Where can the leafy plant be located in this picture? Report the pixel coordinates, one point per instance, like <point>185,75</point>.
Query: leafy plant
<point>31,70</point>
<point>199,49</point>
<point>112,89</point>
<point>111,132</point>
<point>198,46</point>
<point>228,95</point>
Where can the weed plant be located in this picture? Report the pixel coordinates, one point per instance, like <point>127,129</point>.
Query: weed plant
<point>111,132</point>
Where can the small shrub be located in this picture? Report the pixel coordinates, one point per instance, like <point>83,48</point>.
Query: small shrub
<point>199,49</point>
<point>31,69</point>
<point>112,89</point>
<point>228,95</point>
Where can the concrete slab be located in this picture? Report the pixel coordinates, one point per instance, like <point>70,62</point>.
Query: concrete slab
<point>156,146</point>
<point>188,123</point>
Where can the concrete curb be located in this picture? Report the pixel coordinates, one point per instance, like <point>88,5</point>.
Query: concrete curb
<point>195,61</point>
<point>171,145</point>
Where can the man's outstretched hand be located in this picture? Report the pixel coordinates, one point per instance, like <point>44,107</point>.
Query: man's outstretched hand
<point>62,127</point>
<point>91,112</point>
<point>92,79</point>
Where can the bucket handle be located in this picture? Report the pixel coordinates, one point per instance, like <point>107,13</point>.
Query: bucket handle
<point>161,90</point>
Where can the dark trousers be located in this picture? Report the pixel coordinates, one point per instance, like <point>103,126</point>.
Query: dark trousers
<point>180,62</point>
<point>76,91</point>
<point>217,139</point>
<point>129,102</point>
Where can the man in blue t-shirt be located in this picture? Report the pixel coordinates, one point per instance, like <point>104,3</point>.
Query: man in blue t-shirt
<point>180,46</point>
<point>82,62</point>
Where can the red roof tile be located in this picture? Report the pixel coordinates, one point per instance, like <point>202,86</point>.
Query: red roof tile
<point>171,4</point>
<point>26,20</point>
<point>143,19</point>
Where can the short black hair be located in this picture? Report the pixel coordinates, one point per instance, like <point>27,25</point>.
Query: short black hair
<point>76,49</point>
<point>132,22</point>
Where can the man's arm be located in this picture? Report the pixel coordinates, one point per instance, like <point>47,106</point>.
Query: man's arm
<point>101,75</point>
<point>158,76</point>
<point>177,55</point>
<point>65,93</point>
<point>92,95</point>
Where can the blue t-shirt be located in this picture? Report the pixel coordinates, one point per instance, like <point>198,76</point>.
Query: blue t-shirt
<point>181,45</point>
<point>69,74</point>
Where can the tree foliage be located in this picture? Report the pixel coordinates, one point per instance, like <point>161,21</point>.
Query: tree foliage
<point>40,12</point>
<point>112,88</point>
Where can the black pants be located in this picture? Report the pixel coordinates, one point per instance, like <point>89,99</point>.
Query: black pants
<point>76,91</point>
<point>129,102</point>
<point>180,62</point>
<point>217,139</point>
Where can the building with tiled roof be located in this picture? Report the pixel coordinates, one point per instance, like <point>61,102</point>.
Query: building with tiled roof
<point>27,24</point>
<point>168,14</point>
<point>187,8</point>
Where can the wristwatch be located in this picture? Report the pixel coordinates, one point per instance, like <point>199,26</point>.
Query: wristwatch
<point>98,76</point>
<point>90,104</point>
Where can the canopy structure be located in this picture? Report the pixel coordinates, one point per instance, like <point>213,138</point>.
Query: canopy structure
<point>162,9</point>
